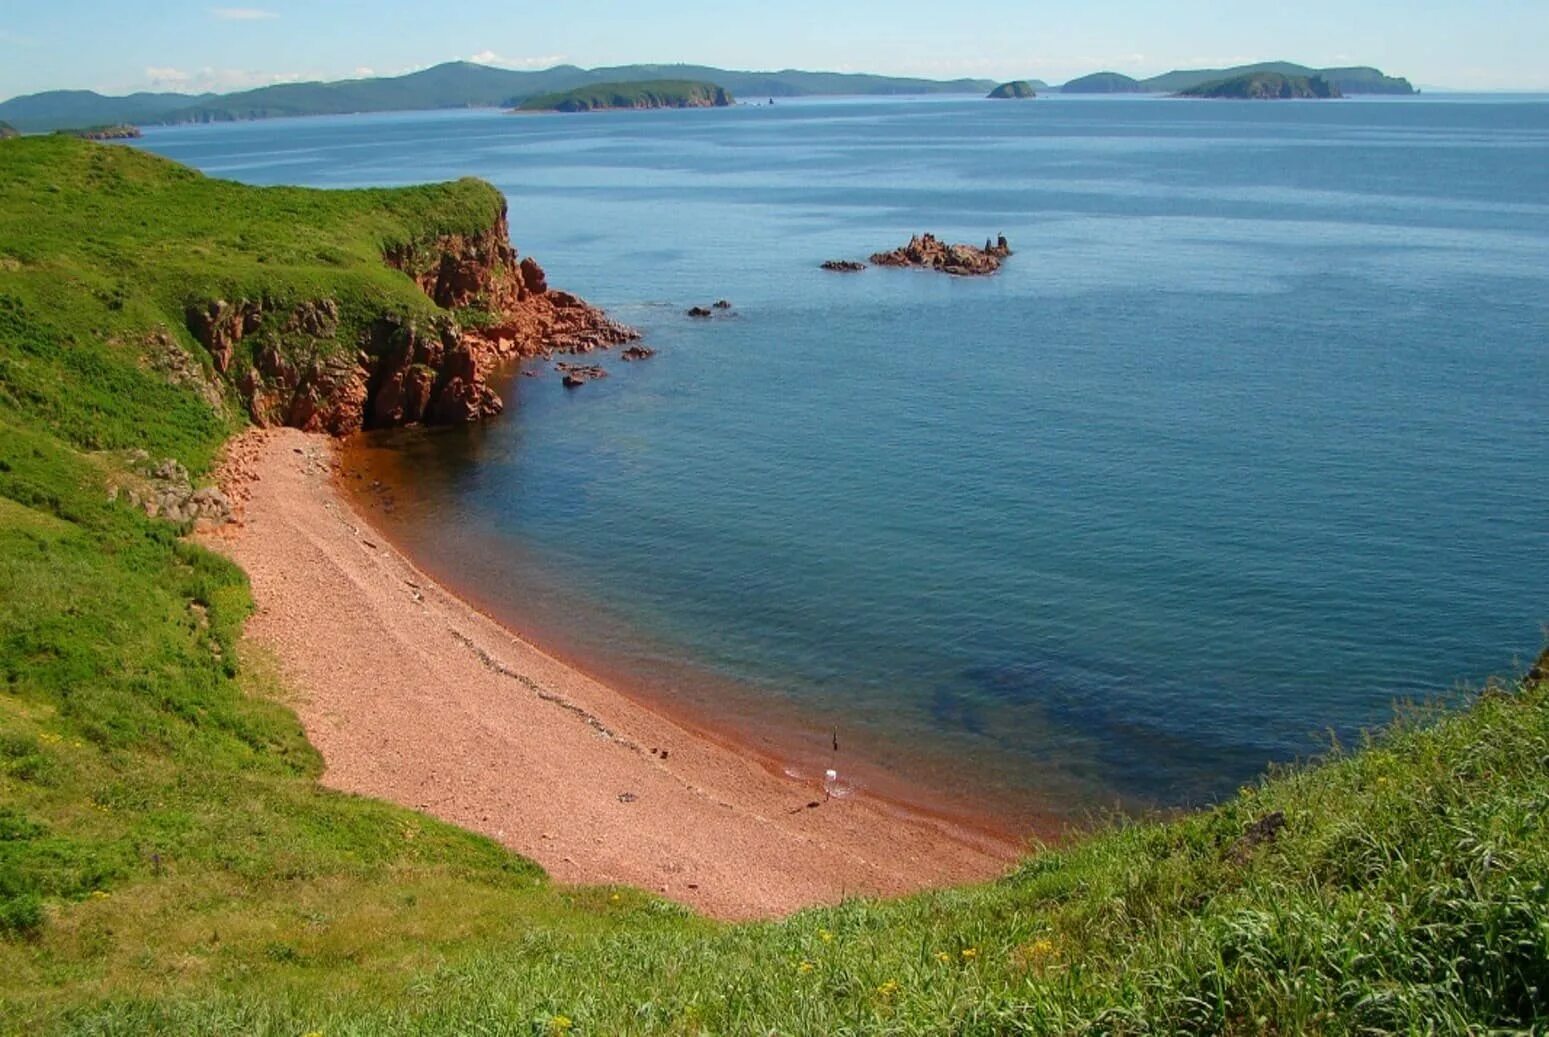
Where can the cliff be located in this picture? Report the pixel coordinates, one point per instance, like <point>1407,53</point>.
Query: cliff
<point>497,307</point>
<point>210,301</point>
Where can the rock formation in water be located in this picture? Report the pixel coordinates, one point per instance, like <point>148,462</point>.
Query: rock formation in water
<point>931,253</point>
<point>290,368</point>
<point>843,266</point>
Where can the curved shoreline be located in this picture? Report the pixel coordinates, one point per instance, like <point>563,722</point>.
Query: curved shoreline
<point>413,695</point>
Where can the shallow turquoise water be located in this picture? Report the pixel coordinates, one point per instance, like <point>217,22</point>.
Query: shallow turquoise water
<point>1246,442</point>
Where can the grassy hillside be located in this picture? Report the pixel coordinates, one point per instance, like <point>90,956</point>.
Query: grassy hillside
<point>654,93</point>
<point>168,863</point>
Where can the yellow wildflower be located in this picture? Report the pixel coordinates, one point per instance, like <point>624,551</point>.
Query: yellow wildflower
<point>561,1024</point>
<point>943,957</point>
<point>99,894</point>
<point>805,967</point>
<point>615,898</point>
<point>1246,792</point>
<point>825,936</point>
<point>888,989</point>
<point>970,953</point>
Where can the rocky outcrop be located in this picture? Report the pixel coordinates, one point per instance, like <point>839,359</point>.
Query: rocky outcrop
<point>930,253</point>
<point>122,131</point>
<point>297,364</point>
<point>163,489</point>
<point>843,266</point>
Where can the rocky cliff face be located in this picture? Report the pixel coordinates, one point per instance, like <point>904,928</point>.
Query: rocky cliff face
<point>300,365</point>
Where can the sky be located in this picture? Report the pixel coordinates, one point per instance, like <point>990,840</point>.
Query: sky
<point>117,46</point>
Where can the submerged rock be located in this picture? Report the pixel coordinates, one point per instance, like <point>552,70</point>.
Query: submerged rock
<point>843,266</point>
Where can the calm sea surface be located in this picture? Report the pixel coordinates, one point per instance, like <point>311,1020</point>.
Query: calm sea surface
<point>1247,442</point>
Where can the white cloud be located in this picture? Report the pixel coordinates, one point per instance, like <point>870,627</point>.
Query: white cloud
<point>218,80</point>
<point>489,57</point>
<point>242,14</point>
<point>364,72</point>
<point>161,77</point>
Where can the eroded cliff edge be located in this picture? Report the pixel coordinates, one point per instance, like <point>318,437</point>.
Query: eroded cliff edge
<point>321,364</point>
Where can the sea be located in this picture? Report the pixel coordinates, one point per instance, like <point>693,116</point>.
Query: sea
<point>1241,456</point>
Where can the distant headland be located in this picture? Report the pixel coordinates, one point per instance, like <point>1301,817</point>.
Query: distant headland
<point>462,84</point>
<point>1265,86</point>
<point>655,93</point>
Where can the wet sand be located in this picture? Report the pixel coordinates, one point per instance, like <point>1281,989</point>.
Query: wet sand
<point>414,696</point>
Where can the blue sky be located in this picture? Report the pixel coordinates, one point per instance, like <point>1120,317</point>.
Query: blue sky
<point>121,45</point>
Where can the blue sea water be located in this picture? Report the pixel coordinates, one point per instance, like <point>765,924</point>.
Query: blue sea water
<point>1246,443</point>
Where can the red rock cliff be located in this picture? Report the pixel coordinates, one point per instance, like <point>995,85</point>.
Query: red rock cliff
<point>301,366</point>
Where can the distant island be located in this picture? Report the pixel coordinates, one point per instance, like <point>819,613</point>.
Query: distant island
<point>1265,86</point>
<point>656,93</point>
<point>1017,90</point>
<point>1104,83</point>
<point>463,84</point>
<point>1354,80</point>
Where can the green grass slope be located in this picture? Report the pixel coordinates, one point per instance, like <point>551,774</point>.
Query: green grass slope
<point>169,864</point>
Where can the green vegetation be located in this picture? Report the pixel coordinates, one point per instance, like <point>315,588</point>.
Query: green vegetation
<point>1263,86</point>
<point>1359,80</point>
<point>1103,83</point>
<point>1019,89</point>
<point>169,864</point>
<point>655,93</point>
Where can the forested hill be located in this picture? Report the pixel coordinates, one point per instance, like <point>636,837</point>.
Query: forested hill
<point>457,84</point>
